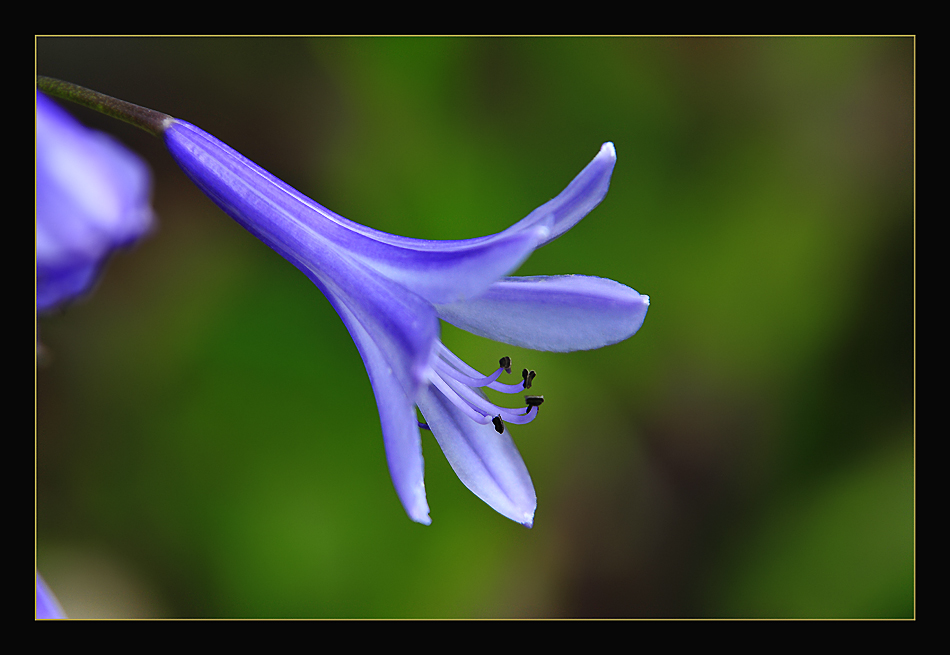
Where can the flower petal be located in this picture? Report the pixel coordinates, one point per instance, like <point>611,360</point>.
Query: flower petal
<point>397,416</point>
<point>290,222</point>
<point>558,313</point>
<point>395,332</point>
<point>577,200</point>
<point>487,463</point>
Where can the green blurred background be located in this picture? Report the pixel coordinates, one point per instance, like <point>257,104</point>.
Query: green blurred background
<point>207,440</point>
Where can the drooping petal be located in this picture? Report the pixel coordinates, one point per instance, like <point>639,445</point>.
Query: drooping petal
<point>92,197</point>
<point>559,313</point>
<point>290,222</point>
<point>397,416</point>
<point>577,200</point>
<point>487,463</point>
<point>395,332</point>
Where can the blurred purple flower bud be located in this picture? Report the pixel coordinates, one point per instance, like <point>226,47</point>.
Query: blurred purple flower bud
<point>92,197</point>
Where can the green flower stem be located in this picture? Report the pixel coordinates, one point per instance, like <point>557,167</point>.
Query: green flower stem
<point>153,122</point>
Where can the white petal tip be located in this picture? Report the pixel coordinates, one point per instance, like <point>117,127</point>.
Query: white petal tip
<point>421,516</point>
<point>645,299</point>
<point>608,150</point>
<point>419,511</point>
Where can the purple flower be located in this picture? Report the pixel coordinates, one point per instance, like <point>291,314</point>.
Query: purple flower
<point>92,197</point>
<point>391,292</point>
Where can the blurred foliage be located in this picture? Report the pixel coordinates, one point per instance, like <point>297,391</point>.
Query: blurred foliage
<point>207,442</point>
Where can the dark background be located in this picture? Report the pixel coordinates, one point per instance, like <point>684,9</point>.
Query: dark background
<point>207,441</point>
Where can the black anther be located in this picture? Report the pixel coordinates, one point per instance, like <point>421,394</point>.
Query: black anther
<point>499,426</point>
<point>527,376</point>
<point>505,363</point>
<point>534,401</point>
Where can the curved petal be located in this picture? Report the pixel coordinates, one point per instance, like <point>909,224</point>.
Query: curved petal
<point>577,200</point>
<point>397,417</point>
<point>559,313</point>
<point>290,222</point>
<point>487,463</point>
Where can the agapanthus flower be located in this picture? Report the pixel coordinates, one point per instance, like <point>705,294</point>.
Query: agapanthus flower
<point>391,292</point>
<point>92,197</point>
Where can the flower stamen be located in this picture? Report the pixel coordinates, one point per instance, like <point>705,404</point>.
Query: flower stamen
<point>448,390</point>
<point>499,425</point>
<point>527,376</point>
<point>462,385</point>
